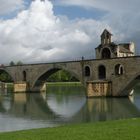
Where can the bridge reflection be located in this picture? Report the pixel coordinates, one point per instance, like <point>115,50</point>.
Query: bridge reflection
<point>102,109</point>
<point>66,109</point>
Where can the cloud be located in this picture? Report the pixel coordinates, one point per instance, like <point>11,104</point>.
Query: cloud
<point>122,17</point>
<point>7,6</point>
<point>38,35</point>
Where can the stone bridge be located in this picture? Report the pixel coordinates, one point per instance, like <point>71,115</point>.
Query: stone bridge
<point>101,77</point>
<point>113,73</point>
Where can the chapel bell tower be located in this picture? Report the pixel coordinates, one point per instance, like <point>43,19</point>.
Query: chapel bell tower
<point>106,37</point>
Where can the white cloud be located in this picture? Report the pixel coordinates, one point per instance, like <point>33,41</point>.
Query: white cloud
<point>37,34</point>
<point>123,17</point>
<point>7,6</point>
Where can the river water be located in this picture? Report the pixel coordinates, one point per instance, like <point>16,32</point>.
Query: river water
<point>62,105</point>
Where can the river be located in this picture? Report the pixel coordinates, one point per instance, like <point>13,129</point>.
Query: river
<point>62,105</point>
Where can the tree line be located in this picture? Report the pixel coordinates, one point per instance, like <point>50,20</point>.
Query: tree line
<point>12,63</point>
<point>62,76</point>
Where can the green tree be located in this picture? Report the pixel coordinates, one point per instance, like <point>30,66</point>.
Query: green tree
<point>12,63</point>
<point>62,76</point>
<point>19,63</point>
<point>5,77</point>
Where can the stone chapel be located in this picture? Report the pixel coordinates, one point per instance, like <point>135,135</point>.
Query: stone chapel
<point>108,49</point>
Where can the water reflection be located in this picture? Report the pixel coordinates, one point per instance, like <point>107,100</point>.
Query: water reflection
<point>136,97</point>
<point>102,109</point>
<point>67,107</point>
<point>62,105</point>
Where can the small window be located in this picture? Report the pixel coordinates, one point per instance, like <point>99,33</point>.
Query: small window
<point>102,72</point>
<point>24,75</point>
<point>87,71</point>
<point>106,53</point>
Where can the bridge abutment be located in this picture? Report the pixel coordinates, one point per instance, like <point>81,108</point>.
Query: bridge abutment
<point>99,88</point>
<point>20,87</point>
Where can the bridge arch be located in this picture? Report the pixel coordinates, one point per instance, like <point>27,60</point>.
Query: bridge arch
<point>10,77</point>
<point>128,89</point>
<point>42,78</point>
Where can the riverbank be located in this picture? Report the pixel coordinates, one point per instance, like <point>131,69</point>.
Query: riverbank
<point>110,130</point>
<point>63,83</point>
<point>10,85</point>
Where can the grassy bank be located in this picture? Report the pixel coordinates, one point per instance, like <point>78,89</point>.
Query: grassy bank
<point>112,130</point>
<point>63,83</point>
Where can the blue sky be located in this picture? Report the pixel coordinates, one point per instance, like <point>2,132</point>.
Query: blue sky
<point>71,11</point>
<point>42,31</point>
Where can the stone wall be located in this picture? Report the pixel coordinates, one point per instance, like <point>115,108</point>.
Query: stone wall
<point>99,88</point>
<point>20,87</point>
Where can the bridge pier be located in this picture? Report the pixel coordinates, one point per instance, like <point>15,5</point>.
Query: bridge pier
<point>25,87</point>
<point>20,87</point>
<point>99,88</point>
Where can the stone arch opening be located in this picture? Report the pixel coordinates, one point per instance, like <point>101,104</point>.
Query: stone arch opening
<point>129,88</point>
<point>42,79</point>
<point>106,53</point>
<point>101,72</point>
<point>5,76</point>
<point>87,71</point>
<point>24,76</point>
<point>119,70</point>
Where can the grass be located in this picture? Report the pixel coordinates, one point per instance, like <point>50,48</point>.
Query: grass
<point>111,130</point>
<point>63,83</point>
<point>10,85</point>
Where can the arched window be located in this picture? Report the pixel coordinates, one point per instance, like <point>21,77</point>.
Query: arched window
<point>119,69</point>
<point>106,53</point>
<point>24,75</point>
<point>87,71</point>
<point>102,72</point>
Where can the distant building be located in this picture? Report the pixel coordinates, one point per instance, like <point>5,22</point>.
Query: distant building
<point>108,49</point>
